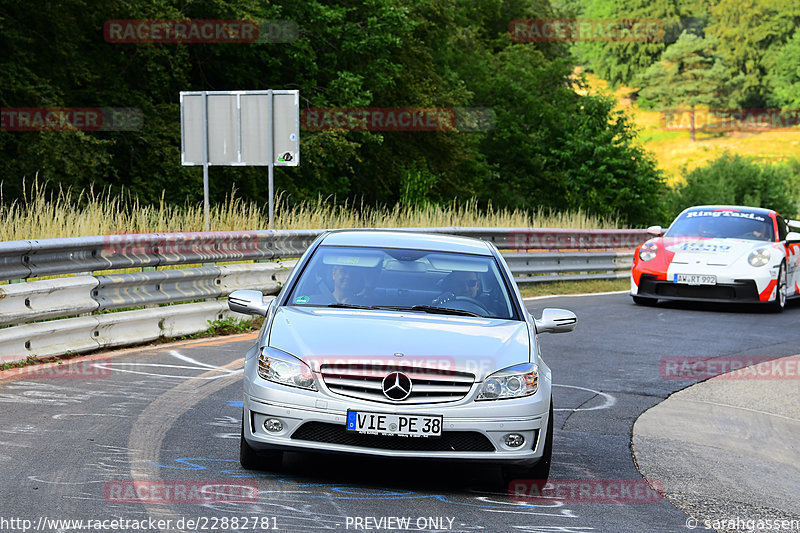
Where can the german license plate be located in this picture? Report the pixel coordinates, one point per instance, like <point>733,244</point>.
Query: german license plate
<point>393,424</point>
<point>696,279</point>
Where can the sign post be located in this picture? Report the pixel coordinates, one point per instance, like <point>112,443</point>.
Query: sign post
<point>240,128</point>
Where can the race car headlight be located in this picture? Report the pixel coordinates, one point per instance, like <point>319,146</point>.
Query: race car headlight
<point>284,369</point>
<point>515,382</point>
<point>648,251</point>
<point>759,258</point>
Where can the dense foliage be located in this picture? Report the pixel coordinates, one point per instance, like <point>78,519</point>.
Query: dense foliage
<point>753,40</point>
<point>550,146</point>
<point>688,75</point>
<point>736,180</point>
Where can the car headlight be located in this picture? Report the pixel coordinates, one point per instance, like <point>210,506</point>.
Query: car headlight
<point>648,251</point>
<point>515,382</point>
<point>759,258</point>
<point>285,369</point>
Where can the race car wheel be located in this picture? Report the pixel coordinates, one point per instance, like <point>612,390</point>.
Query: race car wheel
<point>779,303</point>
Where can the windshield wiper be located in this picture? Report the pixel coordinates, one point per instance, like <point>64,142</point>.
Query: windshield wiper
<point>428,309</point>
<point>350,306</point>
<point>423,308</point>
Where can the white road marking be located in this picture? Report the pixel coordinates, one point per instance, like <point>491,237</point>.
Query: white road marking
<point>187,359</point>
<point>609,402</point>
<point>115,367</point>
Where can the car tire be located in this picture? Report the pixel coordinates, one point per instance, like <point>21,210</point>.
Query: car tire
<point>540,471</point>
<point>251,459</point>
<point>642,300</point>
<point>779,303</point>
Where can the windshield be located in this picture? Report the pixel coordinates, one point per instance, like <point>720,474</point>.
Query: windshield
<point>723,225</point>
<point>404,279</point>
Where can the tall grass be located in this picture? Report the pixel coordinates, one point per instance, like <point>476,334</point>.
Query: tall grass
<point>40,214</point>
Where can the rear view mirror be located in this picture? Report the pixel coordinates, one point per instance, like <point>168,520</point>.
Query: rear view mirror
<point>793,237</point>
<point>247,302</point>
<point>655,231</point>
<point>556,321</point>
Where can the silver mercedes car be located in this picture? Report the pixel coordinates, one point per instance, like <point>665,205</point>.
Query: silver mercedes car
<point>399,344</point>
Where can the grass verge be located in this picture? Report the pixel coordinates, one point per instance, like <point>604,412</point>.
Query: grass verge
<point>42,215</point>
<point>575,287</point>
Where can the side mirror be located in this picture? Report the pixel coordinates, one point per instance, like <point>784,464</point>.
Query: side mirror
<point>655,231</point>
<point>556,321</point>
<point>793,237</point>
<point>247,302</point>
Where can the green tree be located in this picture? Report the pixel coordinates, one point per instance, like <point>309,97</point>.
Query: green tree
<point>555,148</point>
<point>784,79</point>
<point>747,33</point>
<point>736,180</point>
<point>620,62</point>
<point>550,147</point>
<point>688,74</point>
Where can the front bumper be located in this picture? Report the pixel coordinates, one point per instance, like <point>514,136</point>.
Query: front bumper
<point>740,290</point>
<point>315,421</point>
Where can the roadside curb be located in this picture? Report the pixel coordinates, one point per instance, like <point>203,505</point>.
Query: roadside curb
<point>725,449</point>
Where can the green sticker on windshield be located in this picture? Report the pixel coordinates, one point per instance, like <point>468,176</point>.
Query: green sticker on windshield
<point>301,300</point>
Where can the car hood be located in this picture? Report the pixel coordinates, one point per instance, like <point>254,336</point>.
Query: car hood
<point>712,252</point>
<point>476,345</point>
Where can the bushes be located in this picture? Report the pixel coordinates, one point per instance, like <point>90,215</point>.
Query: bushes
<point>737,180</point>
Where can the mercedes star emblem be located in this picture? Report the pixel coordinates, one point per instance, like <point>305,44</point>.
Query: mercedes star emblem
<point>397,386</point>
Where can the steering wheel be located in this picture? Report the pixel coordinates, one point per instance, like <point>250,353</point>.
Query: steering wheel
<point>473,301</point>
<point>466,303</point>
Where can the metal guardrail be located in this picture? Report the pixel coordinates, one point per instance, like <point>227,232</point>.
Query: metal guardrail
<point>593,254</point>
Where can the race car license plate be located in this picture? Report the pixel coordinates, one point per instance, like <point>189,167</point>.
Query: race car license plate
<point>696,279</point>
<point>394,424</point>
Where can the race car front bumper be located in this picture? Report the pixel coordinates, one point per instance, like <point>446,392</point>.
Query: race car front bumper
<point>743,291</point>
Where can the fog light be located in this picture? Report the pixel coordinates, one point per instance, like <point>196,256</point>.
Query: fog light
<point>514,440</point>
<point>273,425</point>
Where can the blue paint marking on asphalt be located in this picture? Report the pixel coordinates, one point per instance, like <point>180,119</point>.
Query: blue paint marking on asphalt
<point>355,491</point>
<point>233,403</point>
<point>192,466</point>
<point>341,488</point>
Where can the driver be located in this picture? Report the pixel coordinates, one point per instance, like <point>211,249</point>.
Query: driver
<point>465,284</point>
<point>348,284</point>
<point>759,233</point>
<point>706,228</point>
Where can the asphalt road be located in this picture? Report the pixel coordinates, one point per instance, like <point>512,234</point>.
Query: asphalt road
<point>71,446</point>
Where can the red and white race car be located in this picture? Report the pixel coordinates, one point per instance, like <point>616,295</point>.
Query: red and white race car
<point>720,254</point>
